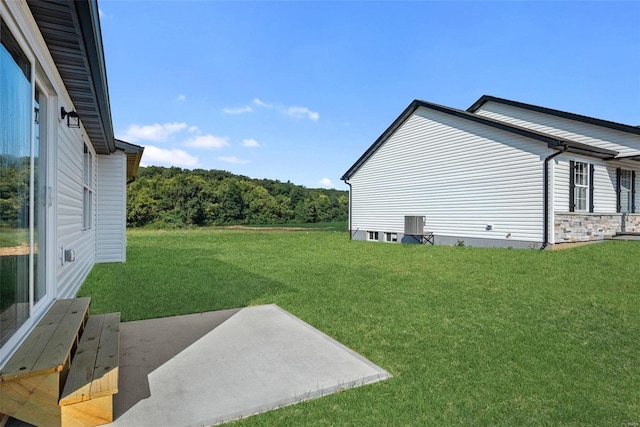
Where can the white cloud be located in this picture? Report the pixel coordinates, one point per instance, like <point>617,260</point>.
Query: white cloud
<point>301,112</point>
<point>174,157</point>
<point>326,182</point>
<point>232,160</point>
<point>294,111</point>
<point>193,129</point>
<point>238,110</point>
<point>260,103</point>
<point>156,132</point>
<point>181,98</point>
<point>250,142</point>
<point>208,141</point>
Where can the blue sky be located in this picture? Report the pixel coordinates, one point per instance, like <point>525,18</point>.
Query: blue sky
<point>299,90</point>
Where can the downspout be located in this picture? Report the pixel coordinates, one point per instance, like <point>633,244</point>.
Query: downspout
<point>546,221</point>
<point>349,224</point>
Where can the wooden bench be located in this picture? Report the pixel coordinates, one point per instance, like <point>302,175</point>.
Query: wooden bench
<point>87,398</point>
<point>37,383</point>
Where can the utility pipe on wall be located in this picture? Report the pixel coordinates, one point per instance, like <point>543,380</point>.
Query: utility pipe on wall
<point>546,221</point>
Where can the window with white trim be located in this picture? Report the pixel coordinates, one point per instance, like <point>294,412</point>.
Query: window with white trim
<point>626,191</point>
<point>581,186</point>
<point>390,237</point>
<point>373,235</point>
<point>87,188</point>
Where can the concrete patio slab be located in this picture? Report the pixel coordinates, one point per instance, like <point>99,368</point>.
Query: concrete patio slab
<point>210,368</point>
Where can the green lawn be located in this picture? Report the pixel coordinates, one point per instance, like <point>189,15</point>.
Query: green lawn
<point>472,336</point>
<point>10,237</point>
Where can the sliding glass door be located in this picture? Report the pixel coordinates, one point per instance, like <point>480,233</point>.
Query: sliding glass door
<point>22,183</point>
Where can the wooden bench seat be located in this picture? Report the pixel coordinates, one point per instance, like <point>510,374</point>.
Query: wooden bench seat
<point>48,348</point>
<point>87,398</point>
<point>32,379</point>
<point>66,371</point>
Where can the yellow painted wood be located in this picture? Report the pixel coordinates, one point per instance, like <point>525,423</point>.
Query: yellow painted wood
<point>78,383</point>
<point>22,362</point>
<point>93,412</point>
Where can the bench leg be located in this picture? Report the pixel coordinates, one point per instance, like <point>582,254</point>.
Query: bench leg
<point>92,412</point>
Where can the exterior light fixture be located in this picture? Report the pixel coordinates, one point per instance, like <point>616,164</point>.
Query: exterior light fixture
<point>73,120</point>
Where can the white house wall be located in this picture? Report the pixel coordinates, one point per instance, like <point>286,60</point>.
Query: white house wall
<point>461,175</point>
<point>598,136</point>
<point>111,208</point>
<point>70,213</point>
<point>66,151</point>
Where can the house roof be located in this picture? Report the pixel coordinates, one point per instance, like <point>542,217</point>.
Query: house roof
<point>134,155</point>
<point>552,141</point>
<point>71,30</point>
<point>577,117</point>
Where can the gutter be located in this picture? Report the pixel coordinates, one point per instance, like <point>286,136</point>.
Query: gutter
<point>546,214</point>
<point>350,204</point>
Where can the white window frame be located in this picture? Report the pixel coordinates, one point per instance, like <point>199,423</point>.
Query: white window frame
<point>625,190</point>
<point>581,186</point>
<point>87,188</point>
<point>373,236</point>
<point>390,237</point>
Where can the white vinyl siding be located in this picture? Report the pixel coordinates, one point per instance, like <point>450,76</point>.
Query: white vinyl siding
<point>70,218</point>
<point>111,208</point>
<point>598,136</point>
<point>459,174</point>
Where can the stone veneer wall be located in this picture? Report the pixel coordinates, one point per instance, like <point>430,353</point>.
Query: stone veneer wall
<point>585,227</point>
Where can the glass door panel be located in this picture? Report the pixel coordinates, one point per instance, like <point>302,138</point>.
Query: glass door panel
<point>15,185</point>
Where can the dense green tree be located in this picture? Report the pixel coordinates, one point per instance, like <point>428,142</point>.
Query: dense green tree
<point>174,197</point>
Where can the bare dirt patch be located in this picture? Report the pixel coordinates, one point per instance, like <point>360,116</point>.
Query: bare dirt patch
<point>23,249</point>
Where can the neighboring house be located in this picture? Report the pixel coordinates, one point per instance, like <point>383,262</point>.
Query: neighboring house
<point>502,173</point>
<point>63,188</point>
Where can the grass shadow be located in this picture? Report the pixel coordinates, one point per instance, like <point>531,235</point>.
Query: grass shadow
<point>197,282</point>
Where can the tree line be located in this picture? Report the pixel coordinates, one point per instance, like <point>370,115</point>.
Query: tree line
<point>14,191</point>
<point>175,197</point>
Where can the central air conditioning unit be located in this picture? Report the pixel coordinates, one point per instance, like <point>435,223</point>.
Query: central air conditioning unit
<point>414,225</point>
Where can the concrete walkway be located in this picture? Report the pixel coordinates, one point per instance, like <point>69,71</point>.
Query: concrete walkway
<point>210,368</point>
<point>629,236</point>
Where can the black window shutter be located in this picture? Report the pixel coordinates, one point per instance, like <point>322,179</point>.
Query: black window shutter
<point>618,190</point>
<point>592,175</point>
<point>572,186</point>
<point>633,192</point>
